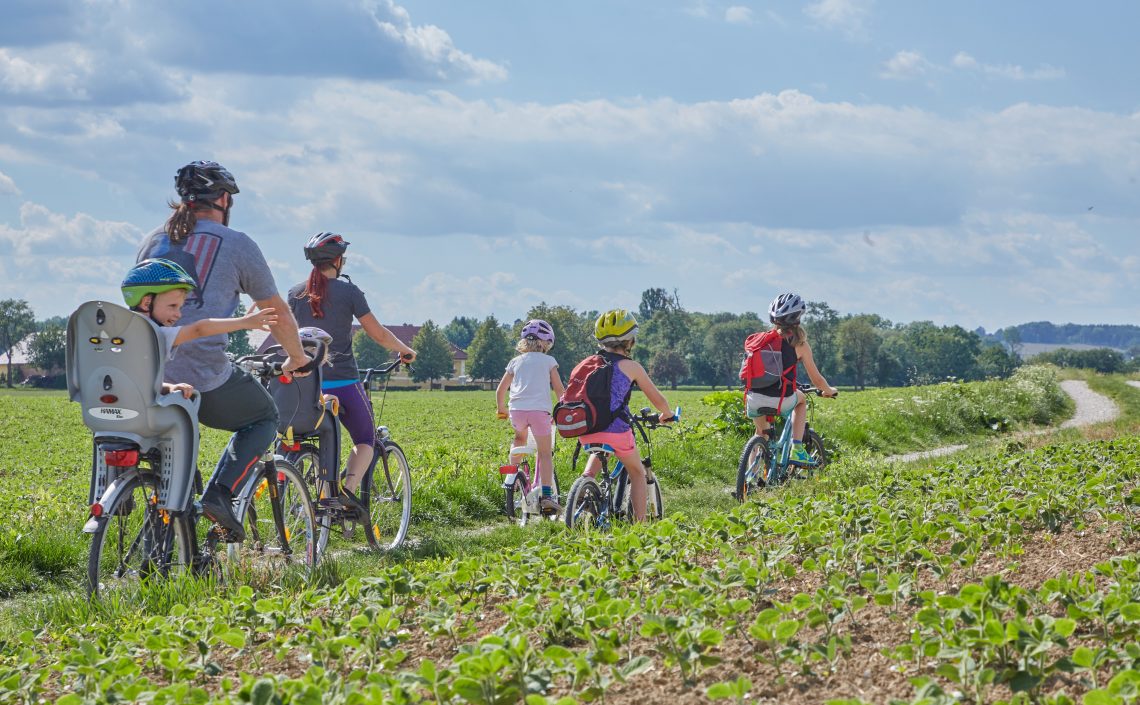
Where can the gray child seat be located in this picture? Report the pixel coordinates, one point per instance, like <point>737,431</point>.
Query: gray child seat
<point>115,361</point>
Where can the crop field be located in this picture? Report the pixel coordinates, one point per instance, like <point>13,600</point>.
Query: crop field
<point>1006,573</point>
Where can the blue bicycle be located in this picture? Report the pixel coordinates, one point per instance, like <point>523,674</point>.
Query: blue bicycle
<point>599,501</point>
<point>765,460</point>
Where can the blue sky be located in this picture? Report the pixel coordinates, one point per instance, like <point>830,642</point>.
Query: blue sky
<point>969,162</point>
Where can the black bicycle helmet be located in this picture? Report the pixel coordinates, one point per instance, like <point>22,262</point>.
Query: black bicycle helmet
<point>786,309</point>
<point>204,181</point>
<point>323,248</point>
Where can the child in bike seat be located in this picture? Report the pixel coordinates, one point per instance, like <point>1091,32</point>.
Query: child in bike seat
<point>304,411</point>
<point>779,395</point>
<point>157,288</point>
<point>616,333</point>
<point>530,377</point>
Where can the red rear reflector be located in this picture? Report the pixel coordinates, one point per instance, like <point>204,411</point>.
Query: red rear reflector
<point>121,458</point>
<point>770,419</point>
<point>108,399</point>
<point>285,379</point>
<point>280,476</point>
<point>96,510</point>
<point>291,448</point>
<point>508,469</point>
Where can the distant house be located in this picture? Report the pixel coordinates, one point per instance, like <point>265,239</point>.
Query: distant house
<point>405,333</point>
<point>22,366</point>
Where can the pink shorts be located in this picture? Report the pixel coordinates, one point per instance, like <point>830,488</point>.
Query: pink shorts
<point>539,421</point>
<point>621,442</point>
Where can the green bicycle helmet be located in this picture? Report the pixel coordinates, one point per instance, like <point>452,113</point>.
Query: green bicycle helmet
<point>154,276</point>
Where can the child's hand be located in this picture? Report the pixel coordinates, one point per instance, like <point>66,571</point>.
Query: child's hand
<point>186,389</point>
<point>502,413</point>
<point>259,319</point>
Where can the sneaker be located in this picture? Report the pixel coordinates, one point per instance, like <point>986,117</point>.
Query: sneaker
<point>548,505</point>
<point>219,508</point>
<point>799,456</point>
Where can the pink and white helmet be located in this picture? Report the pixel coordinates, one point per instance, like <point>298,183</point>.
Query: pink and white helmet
<point>538,329</point>
<point>314,333</point>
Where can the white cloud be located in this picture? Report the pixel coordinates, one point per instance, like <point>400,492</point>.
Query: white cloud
<point>7,185</point>
<point>847,16</point>
<point>738,14</point>
<point>1013,72</point>
<point>906,65</point>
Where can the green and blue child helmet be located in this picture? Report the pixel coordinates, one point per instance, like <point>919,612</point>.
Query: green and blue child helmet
<point>154,276</point>
<point>615,326</point>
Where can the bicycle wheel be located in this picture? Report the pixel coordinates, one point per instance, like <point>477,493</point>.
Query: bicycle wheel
<point>280,518</point>
<point>813,444</point>
<point>307,462</point>
<point>654,506</point>
<point>389,498</point>
<point>752,470</point>
<point>525,516</point>
<point>585,506</point>
<point>514,498</point>
<point>135,540</point>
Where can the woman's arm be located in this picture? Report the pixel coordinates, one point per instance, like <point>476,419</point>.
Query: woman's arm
<point>637,373</point>
<point>556,382</point>
<point>501,392</point>
<point>803,352</point>
<point>262,318</point>
<point>384,337</point>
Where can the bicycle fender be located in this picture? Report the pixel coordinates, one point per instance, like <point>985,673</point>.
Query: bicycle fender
<point>110,496</point>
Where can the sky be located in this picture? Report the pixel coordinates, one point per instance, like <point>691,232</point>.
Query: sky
<point>971,163</point>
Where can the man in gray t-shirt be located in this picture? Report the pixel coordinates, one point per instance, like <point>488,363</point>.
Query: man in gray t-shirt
<point>225,263</point>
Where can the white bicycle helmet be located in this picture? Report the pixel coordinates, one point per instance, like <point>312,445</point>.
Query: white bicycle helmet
<point>786,309</point>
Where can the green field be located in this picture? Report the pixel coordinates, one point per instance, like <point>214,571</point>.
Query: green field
<point>984,577</point>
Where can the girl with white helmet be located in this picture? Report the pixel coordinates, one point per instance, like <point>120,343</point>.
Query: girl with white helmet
<point>329,301</point>
<point>785,313</point>
<point>530,377</point>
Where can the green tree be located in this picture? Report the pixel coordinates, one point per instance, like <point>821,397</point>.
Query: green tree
<point>461,331</point>
<point>996,361</point>
<point>668,366</point>
<point>573,333</point>
<point>490,350</point>
<point>239,340</point>
<point>858,347</point>
<point>938,353</point>
<point>433,354</point>
<point>1012,338</point>
<point>822,324</point>
<point>654,301</point>
<point>16,322</point>
<point>368,352</point>
<point>724,347</point>
<point>48,349</point>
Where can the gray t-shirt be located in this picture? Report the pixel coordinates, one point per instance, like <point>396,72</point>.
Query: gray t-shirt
<point>225,263</point>
<point>530,387</point>
<point>343,301</point>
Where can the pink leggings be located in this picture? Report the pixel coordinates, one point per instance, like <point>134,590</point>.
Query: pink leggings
<point>539,424</point>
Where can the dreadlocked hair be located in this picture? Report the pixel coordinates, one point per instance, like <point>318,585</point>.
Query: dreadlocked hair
<point>182,221</point>
<point>315,290</point>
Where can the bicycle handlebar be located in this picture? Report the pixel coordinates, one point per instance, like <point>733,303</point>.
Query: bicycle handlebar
<point>654,420</point>
<point>808,389</point>
<point>386,369</point>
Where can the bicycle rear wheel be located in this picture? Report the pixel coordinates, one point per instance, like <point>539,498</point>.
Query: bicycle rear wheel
<point>525,516</point>
<point>514,498</point>
<point>135,540</point>
<point>585,507</point>
<point>752,470</point>
<point>389,498</point>
<point>280,518</point>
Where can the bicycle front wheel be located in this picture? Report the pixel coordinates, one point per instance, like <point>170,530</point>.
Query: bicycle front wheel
<point>390,498</point>
<point>585,506</point>
<point>135,540</point>
<point>813,444</point>
<point>280,519</point>
<point>752,471</point>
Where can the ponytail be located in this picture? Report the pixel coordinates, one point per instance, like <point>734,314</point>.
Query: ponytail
<point>182,221</point>
<point>796,335</point>
<point>316,289</point>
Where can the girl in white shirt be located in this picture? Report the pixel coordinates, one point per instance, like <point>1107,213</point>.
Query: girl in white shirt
<point>530,377</point>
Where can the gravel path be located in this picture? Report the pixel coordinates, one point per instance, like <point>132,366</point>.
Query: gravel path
<point>1092,408</point>
<point>1134,383</point>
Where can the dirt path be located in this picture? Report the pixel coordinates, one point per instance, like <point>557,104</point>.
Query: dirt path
<point>1092,408</point>
<point>1134,383</point>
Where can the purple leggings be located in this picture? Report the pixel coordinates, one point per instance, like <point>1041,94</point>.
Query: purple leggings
<point>355,413</point>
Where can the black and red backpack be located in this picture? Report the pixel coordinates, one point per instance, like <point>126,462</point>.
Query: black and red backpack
<point>763,363</point>
<point>585,406</point>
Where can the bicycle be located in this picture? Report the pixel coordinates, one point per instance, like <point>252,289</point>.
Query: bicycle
<point>599,502</point>
<point>142,515</point>
<point>385,495</point>
<point>521,488</point>
<point>764,461</point>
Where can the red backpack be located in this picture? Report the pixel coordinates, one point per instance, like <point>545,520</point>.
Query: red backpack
<point>763,362</point>
<point>586,403</point>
